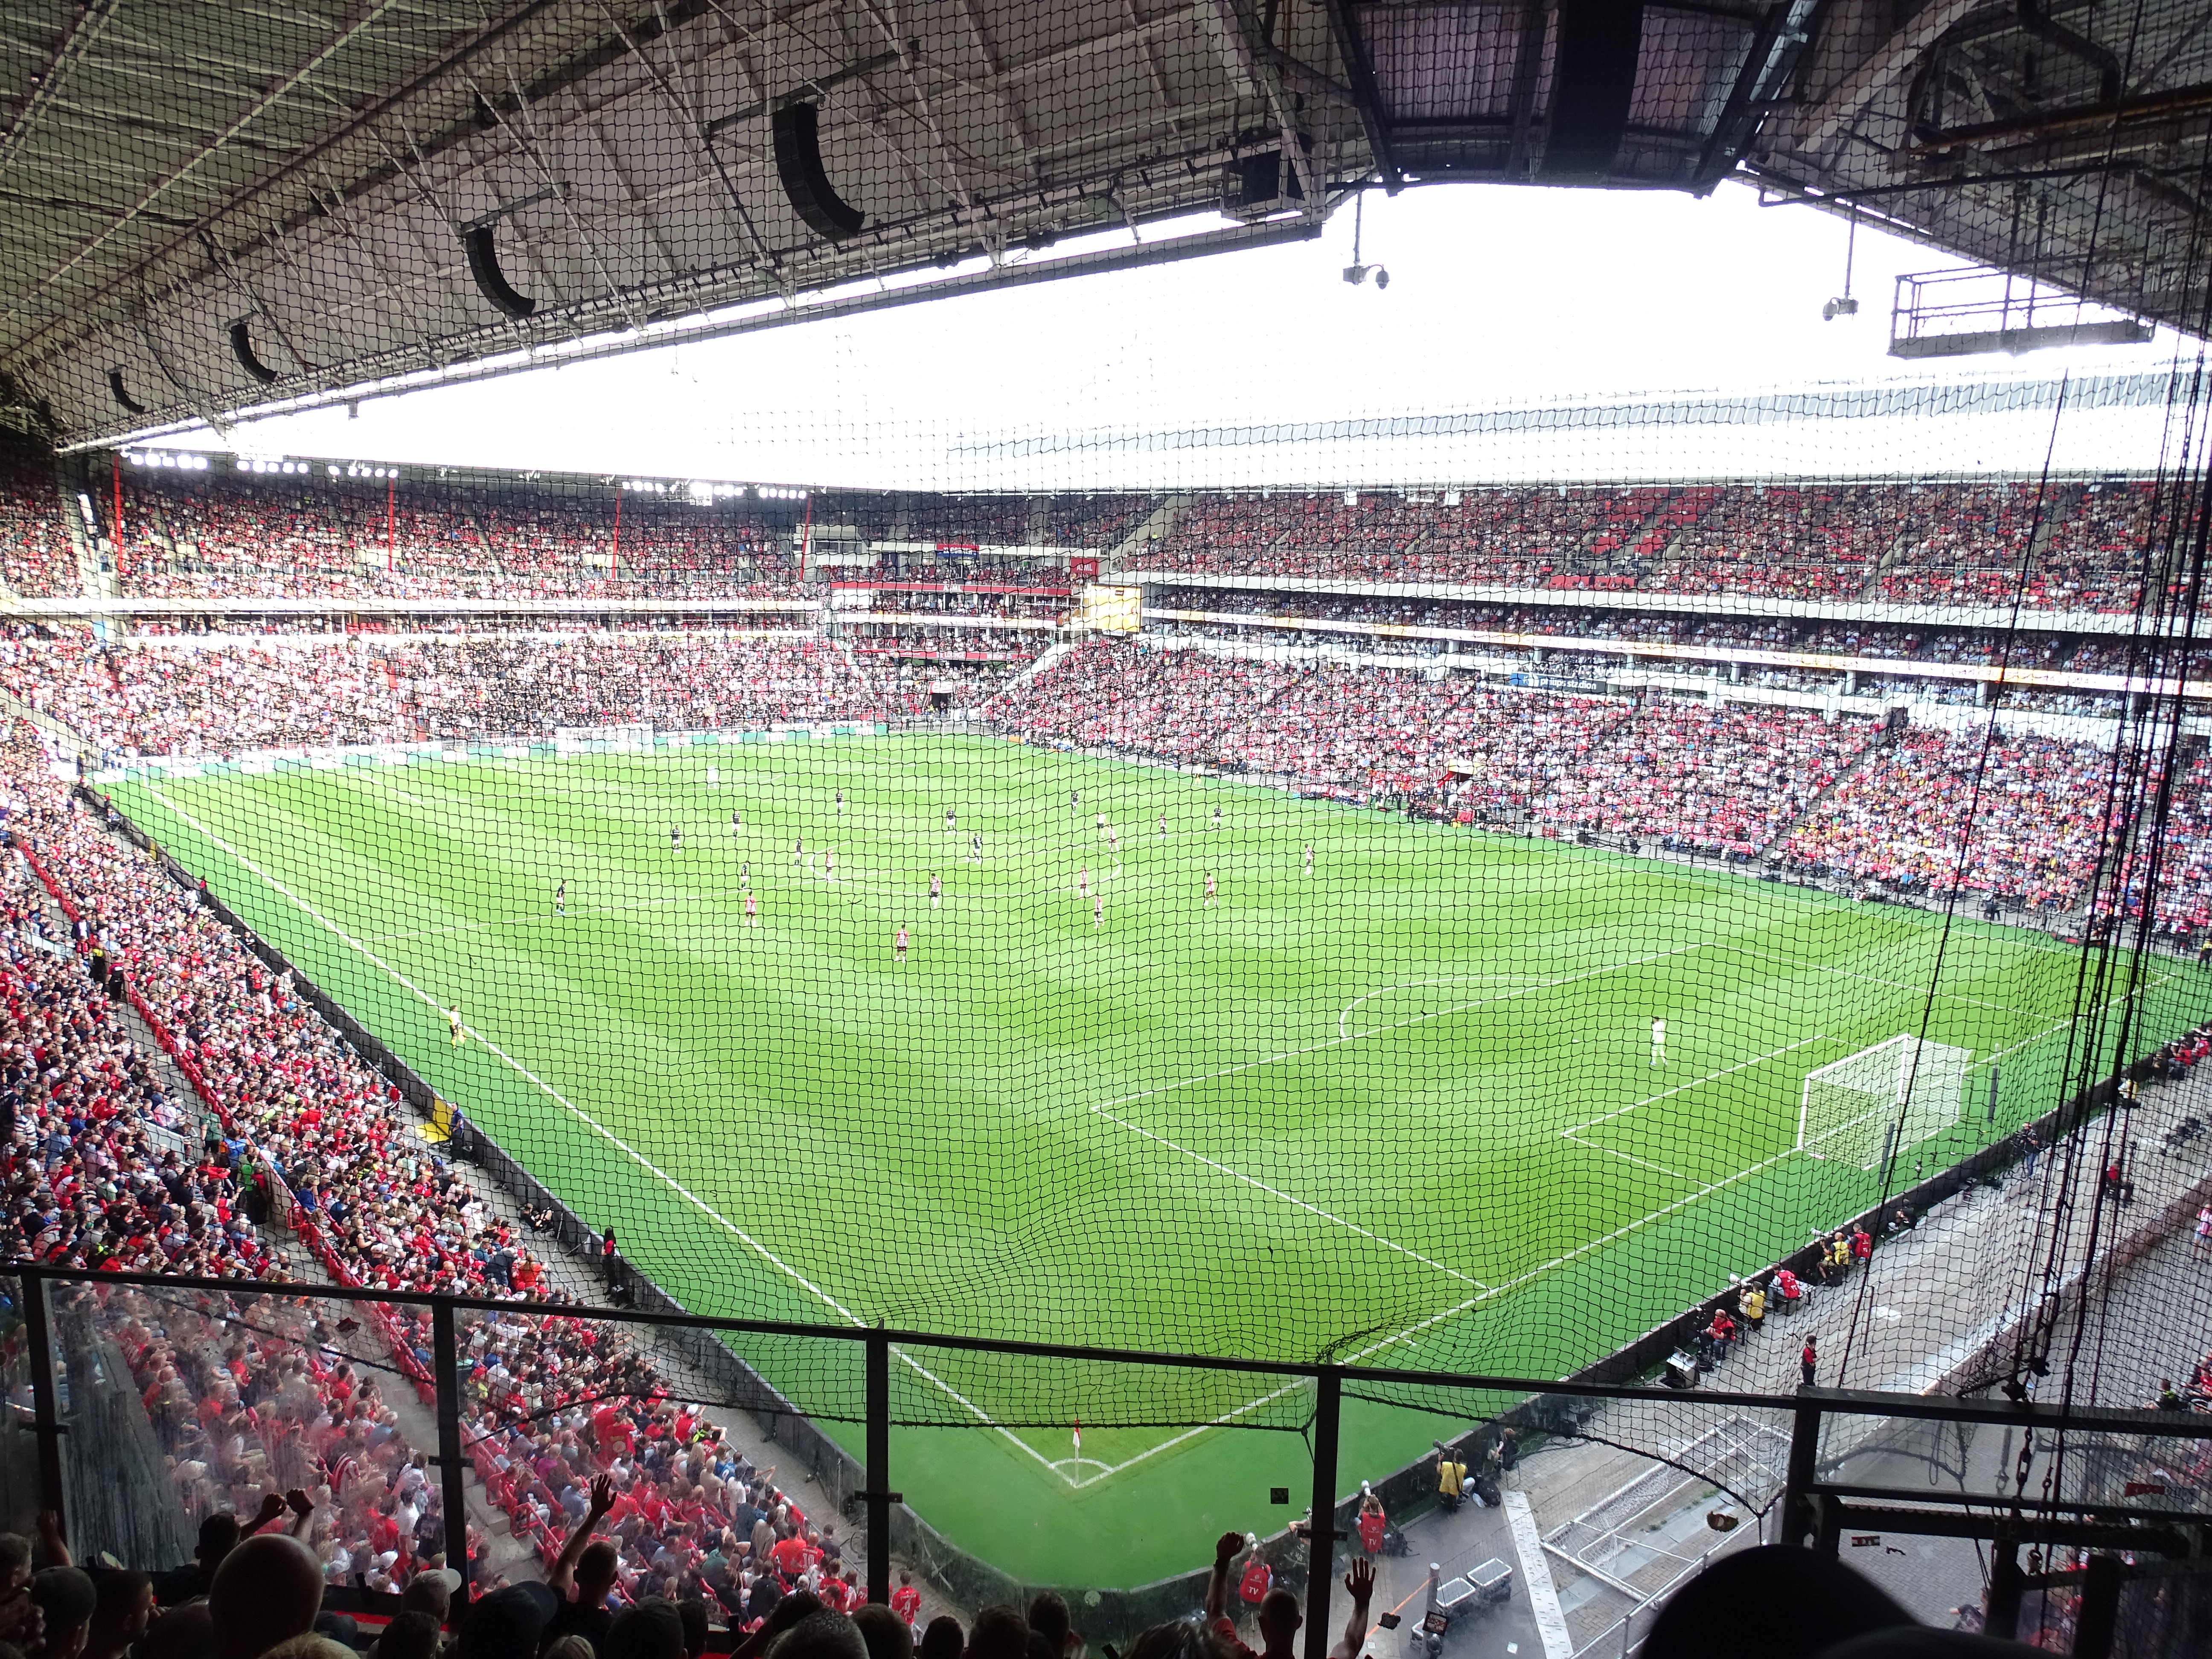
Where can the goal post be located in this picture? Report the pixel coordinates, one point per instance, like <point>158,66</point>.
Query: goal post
<point>1881,1100</point>
<point>602,739</point>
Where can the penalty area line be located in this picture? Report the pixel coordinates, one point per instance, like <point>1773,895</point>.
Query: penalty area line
<point>1104,1108</point>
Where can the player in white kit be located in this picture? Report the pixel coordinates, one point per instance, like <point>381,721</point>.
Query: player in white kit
<point>1658,1042</point>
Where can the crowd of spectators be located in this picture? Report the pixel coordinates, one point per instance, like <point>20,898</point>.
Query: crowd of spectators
<point>193,699</point>
<point>690,683</point>
<point>293,536</point>
<point>1242,613</point>
<point>221,534</point>
<point>1911,544</point>
<point>1726,778</point>
<point>926,517</point>
<point>37,558</point>
<point>1723,777</point>
<point>2037,809</point>
<point>1095,521</point>
<point>296,1154</point>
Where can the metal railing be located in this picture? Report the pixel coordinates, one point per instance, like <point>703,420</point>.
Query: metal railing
<point>1813,1507</point>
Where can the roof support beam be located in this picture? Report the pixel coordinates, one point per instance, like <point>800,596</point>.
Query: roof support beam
<point>80,41</point>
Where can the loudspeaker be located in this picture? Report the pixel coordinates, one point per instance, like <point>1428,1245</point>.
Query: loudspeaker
<point>241,347</point>
<point>115,387</point>
<point>798,131</point>
<point>483,265</point>
<point>1262,183</point>
<point>1592,80</point>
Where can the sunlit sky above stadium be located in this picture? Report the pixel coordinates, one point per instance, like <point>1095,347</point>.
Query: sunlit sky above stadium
<point>1498,297</point>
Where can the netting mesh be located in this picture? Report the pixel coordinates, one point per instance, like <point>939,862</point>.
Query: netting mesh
<point>1867,1107</point>
<point>1693,890</point>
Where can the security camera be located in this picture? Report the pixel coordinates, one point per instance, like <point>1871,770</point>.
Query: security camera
<point>1842,306</point>
<point>1382,278</point>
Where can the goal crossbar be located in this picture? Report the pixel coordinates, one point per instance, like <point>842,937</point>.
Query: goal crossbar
<point>1872,1104</point>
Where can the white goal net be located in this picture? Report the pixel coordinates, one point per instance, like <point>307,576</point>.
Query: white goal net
<point>600,739</point>
<point>1881,1100</point>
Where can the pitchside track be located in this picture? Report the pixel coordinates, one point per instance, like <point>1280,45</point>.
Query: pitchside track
<point>1402,1109</point>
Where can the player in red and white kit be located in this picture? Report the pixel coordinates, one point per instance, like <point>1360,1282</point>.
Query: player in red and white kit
<point>830,865</point>
<point>1098,911</point>
<point>1310,858</point>
<point>898,943</point>
<point>752,909</point>
<point>936,889</point>
<point>906,1600</point>
<point>1083,881</point>
<point>1210,894</point>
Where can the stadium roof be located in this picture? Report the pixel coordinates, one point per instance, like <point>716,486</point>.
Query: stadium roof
<point>207,210</point>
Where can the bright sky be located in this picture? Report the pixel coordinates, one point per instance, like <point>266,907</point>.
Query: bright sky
<point>1496,294</point>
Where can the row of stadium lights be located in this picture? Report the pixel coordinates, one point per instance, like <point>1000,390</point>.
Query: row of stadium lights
<point>167,459</point>
<point>700,490</point>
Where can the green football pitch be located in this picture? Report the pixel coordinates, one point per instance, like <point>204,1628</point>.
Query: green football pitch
<point>1401,1109</point>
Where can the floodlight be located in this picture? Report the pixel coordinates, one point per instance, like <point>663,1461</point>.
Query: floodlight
<point>1842,306</point>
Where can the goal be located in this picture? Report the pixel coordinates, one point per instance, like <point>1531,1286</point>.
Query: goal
<point>1862,1108</point>
<point>601,739</point>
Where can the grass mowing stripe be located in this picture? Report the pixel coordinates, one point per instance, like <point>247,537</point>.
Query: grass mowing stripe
<point>583,1116</point>
<point>782,1074</point>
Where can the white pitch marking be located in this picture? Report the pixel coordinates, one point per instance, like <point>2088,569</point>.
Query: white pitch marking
<point>1535,980</point>
<point>613,1140</point>
<point>1698,1083</point>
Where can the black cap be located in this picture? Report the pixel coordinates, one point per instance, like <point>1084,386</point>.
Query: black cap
<point>507,1624</point>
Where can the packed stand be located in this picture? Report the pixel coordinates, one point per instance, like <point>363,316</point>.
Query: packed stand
<point>1696,777</point>
<point>2037,809</point>
<point>104,1170</point>
<point>679,683</point>
<point>249,537</point>
<point>37,558</point>
<point>1725,779</point>
<point>1810,541</point>
<point>1095,521</point>
<point>155,698</point>
<point>1938,544</point>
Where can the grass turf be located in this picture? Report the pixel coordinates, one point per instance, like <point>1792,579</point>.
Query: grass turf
<point>1399,1110</point>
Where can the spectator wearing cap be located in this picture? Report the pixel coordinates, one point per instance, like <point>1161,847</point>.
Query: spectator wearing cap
<point>66,1597</point>
<point>507,1624</point>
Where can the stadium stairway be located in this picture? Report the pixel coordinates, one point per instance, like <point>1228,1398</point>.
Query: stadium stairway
<point>1045,658</point>
<point>66,735</point>
<point>1858,763</point>
<point>1153,527</point>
